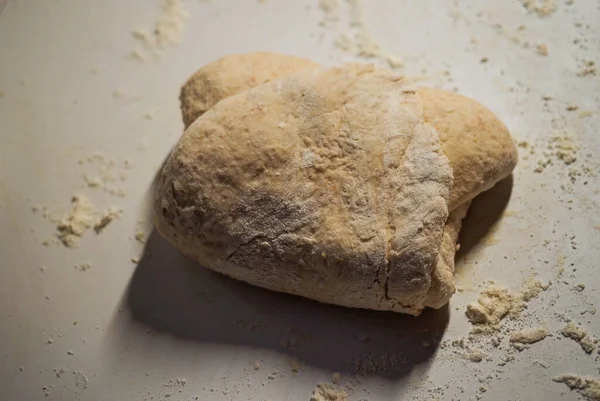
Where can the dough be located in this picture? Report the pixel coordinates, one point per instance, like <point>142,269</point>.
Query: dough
<point>476,142</point>
<point>234,74</point>
<point>331,184</point>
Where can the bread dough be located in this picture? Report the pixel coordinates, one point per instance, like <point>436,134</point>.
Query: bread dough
<point>329,183</point>
<point>234,74</point>
<point>478,145</point>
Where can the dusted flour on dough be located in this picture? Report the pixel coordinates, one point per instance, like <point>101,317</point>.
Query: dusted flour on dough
<point>234,74</point>
<point>345,188</point>
<point>330,167</point>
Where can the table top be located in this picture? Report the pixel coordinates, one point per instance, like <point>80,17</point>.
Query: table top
<point>89,108</point>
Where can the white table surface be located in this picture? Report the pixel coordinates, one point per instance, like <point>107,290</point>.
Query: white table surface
<point>69,90</point>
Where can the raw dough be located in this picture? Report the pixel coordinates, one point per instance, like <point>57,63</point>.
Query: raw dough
<point>478,145</point>
<point>234,74</point>
<point>330,184</point>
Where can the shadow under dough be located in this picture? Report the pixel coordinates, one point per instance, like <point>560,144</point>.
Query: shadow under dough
<point>172,293</point>
<point>485,210</point>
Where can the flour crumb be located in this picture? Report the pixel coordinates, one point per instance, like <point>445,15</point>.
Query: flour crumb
<point>331,12</point>
<point>475,355</point>
<point>85,266</point>
<point>176,382</point>
<point>491,307</point>
<point>588,68</point>
<point>589,388</point>
<point>326,392</point>
<point>543,8</point>
<point>169,27</point>
<point>118,93</point>
<point>579,334</point>
<point>335,379</point>
<point>92,182</point>
<point>558,148</point>
<point>542,49</point>
<point>111,214</point>
<point>73,225</point>
<point>81,380</point>
<point>531,289</point>
<point>106,171</point>
<point>360,42</point>
<point>564,149</point>
<point>528,336</point>
<point>140,236</point>
<point>136,55</point>
<point>168,30</point>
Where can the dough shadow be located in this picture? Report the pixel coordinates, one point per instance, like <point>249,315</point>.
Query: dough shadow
<point>485,210</point>
<point>173,294</point>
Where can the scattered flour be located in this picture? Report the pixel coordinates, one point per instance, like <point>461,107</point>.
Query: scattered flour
<point>106,172</point>
<point>528,336</point>
<point>85,266</point>
<point>326,392</point>
<point>72,226</point>
<point>475,355</point>
<point>531,289</point>
<point>360,43</point>
<point>168,31</point>
<point>491,307</point>
<point>542,8</point>
<point>495,303</point>
<point>331,12</point>
<point>111,214</point>
<point>588,68</point>
<point>542,49</point>
<point>140,236</point>
<point>579,334</point>
<point>81,380</point>
<point>587,387</point>
<point>82,217</point>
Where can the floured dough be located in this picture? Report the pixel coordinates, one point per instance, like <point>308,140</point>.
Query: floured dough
<point>332,184</point>
<point>478,145</point>
<point>234,74</point>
